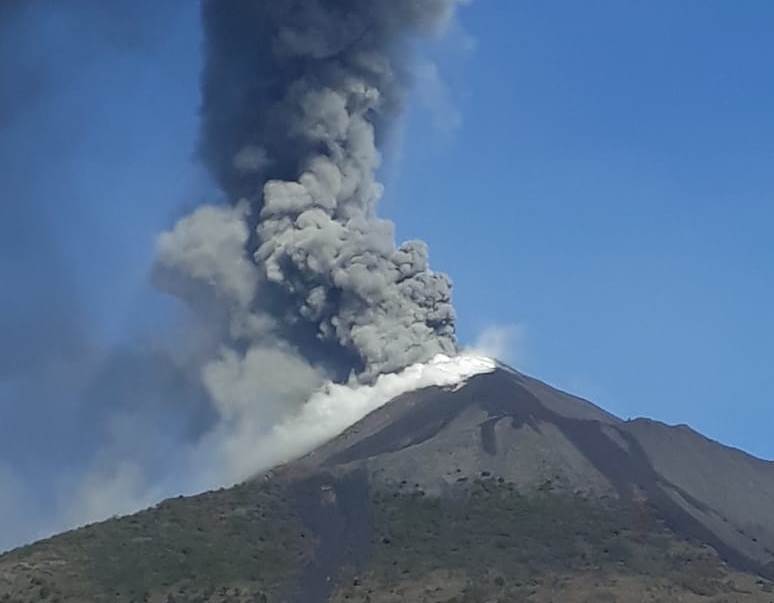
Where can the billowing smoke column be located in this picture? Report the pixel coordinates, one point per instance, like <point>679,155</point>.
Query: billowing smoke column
<point>297,96</point>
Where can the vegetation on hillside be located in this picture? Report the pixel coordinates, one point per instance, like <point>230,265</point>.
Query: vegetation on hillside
<point>484,543</point>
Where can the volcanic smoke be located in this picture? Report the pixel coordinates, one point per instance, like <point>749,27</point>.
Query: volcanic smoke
<point>298,95</point>
<point>309,316</point>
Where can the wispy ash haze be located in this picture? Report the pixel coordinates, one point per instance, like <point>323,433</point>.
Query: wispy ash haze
<point>72,399</point>
<point>293,281</point>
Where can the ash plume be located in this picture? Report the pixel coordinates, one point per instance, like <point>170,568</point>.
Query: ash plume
<point>297,97</point>
<point>295,281</point>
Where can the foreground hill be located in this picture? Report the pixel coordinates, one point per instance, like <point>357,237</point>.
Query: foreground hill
<point>501,490</point>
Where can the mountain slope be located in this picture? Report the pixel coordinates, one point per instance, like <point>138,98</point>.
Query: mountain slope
<point>503,489</point>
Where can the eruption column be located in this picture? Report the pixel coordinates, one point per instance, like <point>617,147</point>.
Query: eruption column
<point>297,96</point>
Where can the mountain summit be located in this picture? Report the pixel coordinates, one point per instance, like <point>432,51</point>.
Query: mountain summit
<point>499,489</point>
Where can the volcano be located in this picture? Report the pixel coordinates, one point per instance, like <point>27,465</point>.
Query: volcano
<point>501,488</point>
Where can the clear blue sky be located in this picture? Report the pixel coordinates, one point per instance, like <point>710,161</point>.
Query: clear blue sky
<point>600,174</point>
<point>611,190</point>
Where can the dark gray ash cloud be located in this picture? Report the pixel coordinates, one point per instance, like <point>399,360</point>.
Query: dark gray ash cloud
<point>297,278</point>
<point>297,97</point>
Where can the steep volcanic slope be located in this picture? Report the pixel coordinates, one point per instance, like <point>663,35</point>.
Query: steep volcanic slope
<point>503,489</point>
<point>726,490</point>
<point>508,425</point>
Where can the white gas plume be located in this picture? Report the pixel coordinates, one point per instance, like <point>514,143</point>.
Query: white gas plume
<point>245,447</point>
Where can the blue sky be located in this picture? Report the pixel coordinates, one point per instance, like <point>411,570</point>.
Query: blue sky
<point>595,176</point>
<point>610,189</point>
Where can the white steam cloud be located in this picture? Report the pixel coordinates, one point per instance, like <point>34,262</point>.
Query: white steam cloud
<point>245,447</point>
<point>256,429</point>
